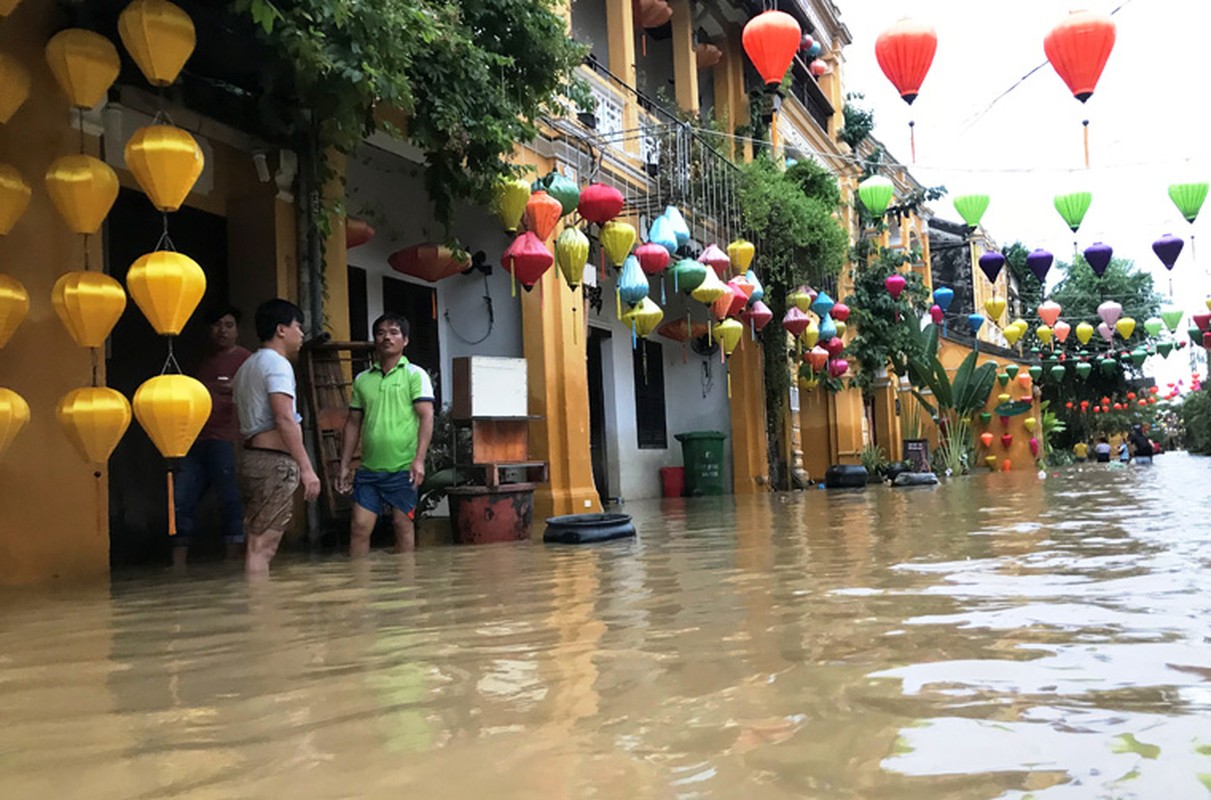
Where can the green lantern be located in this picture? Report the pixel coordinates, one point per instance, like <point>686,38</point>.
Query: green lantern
<point>1084,369</point>
<point>1164,348</point>
<point>1011,370</point>
<point>971,208</point>
<point>1036,372</point>
<point>875,193</point>
<point>1003,378</point>
<point>1138,355</point>
<point>1195,334</point>
<point>688,275</point>
<point>1072,207</point>
<point>1109,366</point>
<point>1057,373</point>
<point>985,418</point>
<point>1172,318</point>
<point>564,190</point>
<point>1153,325</point>
<point>1188,197</point>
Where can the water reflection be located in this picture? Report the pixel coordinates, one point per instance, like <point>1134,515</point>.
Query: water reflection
<point>994,637</point>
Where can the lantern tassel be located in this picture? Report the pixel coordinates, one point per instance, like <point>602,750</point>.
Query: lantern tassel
<point>1085,125</point>
<point>664,301</point>
<point>618,300</point>
<point>513,277</point>
<point>575,328</point>
<point>645,363</point>
<point>729,382</point>
<point>433,298</point>
<point>912,139</point>
<point>172,507</point>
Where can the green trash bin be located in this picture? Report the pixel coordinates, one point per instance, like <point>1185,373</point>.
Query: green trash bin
<point>702,453</point>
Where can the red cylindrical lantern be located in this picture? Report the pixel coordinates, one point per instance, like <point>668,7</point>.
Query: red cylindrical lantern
<point>527,258</point>
<point>600,203</point>
<point>905,52</point>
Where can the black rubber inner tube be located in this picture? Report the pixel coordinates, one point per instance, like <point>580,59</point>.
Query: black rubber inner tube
<point>588,528</point>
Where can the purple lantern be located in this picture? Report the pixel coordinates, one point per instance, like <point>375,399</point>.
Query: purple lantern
<point>991,264</point>
<point>1098,255</point>
<point>1040,262</point>
<point>1167,249</point>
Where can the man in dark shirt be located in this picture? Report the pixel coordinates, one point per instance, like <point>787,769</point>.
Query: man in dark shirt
<point>211,461</point>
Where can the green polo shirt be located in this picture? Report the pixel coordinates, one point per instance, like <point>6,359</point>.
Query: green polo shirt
<point>389,422</point>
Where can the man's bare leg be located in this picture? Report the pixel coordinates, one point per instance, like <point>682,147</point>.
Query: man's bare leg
<point>261,549</point>
<point>405,531</point>
<point>361,525</point>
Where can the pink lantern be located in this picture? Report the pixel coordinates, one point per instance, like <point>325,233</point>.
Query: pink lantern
<point>1006,440</point>
<point>834,346</point>
<point>839,312</point>
<point>742,285</point>
<point>757,316</point>
<point>895,285</point>
<point>1105,332</point>
<point>1034,447</point>
<point>818,68</point>
<point>816,358</point>
<point>795,322</point>
<point>600,203</point>
<point>527,258</point>
<point>936,314</point>
<point>1049,312</point>
<point>653,258</point>
<point>838,367</point>
<point>717,260</point>
<point>1061,330</point>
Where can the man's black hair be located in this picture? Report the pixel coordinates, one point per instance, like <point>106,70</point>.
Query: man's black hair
<point>216,313</point>
<point>275,312</point>
<point>391,317</point>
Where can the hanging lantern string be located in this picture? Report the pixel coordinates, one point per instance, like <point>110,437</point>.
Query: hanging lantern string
<point>912,142</point>
<point>86,264</point>
<point>95,364</point>
<point>171,361</point>
<point>1085,125</point>
<point>80,125</point>
<point>165,241</point>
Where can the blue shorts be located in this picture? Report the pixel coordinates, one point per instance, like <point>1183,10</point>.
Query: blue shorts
<point>374,491</point>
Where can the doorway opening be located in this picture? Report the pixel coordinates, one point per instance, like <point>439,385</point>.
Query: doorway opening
<point>599,341</point>
<point>418,304</point>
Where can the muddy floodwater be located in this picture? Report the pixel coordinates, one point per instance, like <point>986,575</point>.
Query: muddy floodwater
<point>994,637</point>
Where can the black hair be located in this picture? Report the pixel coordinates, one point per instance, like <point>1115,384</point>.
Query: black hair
<point>275,312</point>
<point>391,317</point>
<point>216,313</point>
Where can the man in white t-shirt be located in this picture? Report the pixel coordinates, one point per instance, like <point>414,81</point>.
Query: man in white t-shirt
<point>274,460</point>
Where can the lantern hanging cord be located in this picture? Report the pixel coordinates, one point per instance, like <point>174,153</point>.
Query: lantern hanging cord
<point>171,361</point>
<point>95,364</point>
<point>86,264</point>
<point>491,319</point>
<point>165,241</point>
<point>80,125</point>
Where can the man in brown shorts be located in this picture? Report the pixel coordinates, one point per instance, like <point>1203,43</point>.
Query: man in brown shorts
<point>274,460</point>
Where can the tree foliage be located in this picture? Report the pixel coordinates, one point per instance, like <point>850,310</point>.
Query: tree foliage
<point>470,76</point>
<point>1081,292</point>
<point>1196,419</point>
<point>1030,291</point>
<point>882,340</point>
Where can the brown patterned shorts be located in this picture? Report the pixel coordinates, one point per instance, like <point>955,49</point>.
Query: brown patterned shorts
<point>268,479</point>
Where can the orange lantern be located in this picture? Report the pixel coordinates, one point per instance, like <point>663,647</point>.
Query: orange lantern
<point>905,52</point>
<point>172,409</point>
<point>14,197</point>
<point>167,287</point>
<point>83,190</point>
<point>357,232</point>
<point>14,86</point>
<point>84,63</point>
<point>429,262</point>
<point>89,304</point>
<point>542,213</point>
<point>14,305</point>
<point>1078,49</point>
<point>159,37</point>
<point>7,6</point>
<point>771,40</point>
<point>14,413</point>
<point>94,419</point>
<point>166,162</point>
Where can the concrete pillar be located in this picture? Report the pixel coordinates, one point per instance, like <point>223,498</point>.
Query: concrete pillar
<point>620,27</point>
<point>750,460</point>
<point>847,411</point>
<point>685,67</point>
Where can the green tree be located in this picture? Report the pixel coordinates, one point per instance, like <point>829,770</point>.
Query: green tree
<point>882,341</point>
<point>471,77</point>
<point>1030,291</point>
<point>1196,419</point>
<point>1081,292</point>
<point>799,241</point>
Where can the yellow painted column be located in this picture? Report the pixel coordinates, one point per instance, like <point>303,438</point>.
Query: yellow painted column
<point>685,67</point>
<point>815,422</point>
<point>620,27</point>
<point>847,413</point>
<point>731,101</point>
<point>750,462</point>
<point>554,342</point>
<point>336,257</point>
<point>887,423</point>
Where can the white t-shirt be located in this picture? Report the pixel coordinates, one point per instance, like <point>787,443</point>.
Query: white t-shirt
<point>265,372</point>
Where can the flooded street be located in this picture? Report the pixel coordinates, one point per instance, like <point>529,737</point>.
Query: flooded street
<point>997,636</point>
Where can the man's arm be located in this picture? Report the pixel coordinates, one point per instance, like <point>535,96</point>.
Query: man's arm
<point>349,440</point>
<point>424,416</point>
<point>292,436</point>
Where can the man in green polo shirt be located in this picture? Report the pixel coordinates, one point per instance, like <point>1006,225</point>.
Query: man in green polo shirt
<point>391,415</point>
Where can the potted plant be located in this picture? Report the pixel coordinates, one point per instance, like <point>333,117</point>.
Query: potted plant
<point>875,461</point>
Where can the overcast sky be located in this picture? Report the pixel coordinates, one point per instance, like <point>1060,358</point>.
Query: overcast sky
<point>1149,123</point>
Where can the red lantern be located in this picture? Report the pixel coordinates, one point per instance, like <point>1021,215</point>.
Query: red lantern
<point>770,39</point>
<point>834,346</point>
<point>542,214</point>
<point>936,314</point>
<point>816,358</point>
<point>817,68</point>
<point>1006,440</point>
<point>839,312</point>
<point>357,232</point>
<point>527,258</point>
<point>739,299</point>
<point>757,316</point>
<point>795,322</point>
<point>653,259</point>
<point>599,203</point>
<point>651,13</point>
<point>1130,395</point>
<point>1078,48</point>
<point>428,261</point>
<point>838,367</point>
<point>905,52</point>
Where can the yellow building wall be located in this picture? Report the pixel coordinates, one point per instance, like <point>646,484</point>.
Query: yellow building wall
<point>1018,452</point>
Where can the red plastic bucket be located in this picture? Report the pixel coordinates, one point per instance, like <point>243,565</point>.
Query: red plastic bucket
<point>672,481</point>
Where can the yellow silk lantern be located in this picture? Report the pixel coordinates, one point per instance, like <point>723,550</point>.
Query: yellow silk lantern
<point>1031,423</point>
<point>84,63</point>
<point>172,409</point>
<point>741,253</point>
<point>1084,332</point>
<point>94,419</point>
<point>571,255</point>
<point>1012,334</point>
<point>167,287</point>
<point>14,413</point>
<point>7,6</point>
<point>14,305</point>
<point>842,327</point>
<point>14,197</point>
<point>14,86</point>
<point>643,317</point>
<point>810,335</point>
<point>728,332</point>
<point>159,37</point>
<point>1003,397</point>
<point>1125,327</point>
<point>800,300</point>
<point>617,239</point>
<point>995,306</point>
<point>710,290</point>
<point>511,198</point>
<point>89,304</point>
<point>83,189</point>
<point>1044,333</point>
<point>166,161</point>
